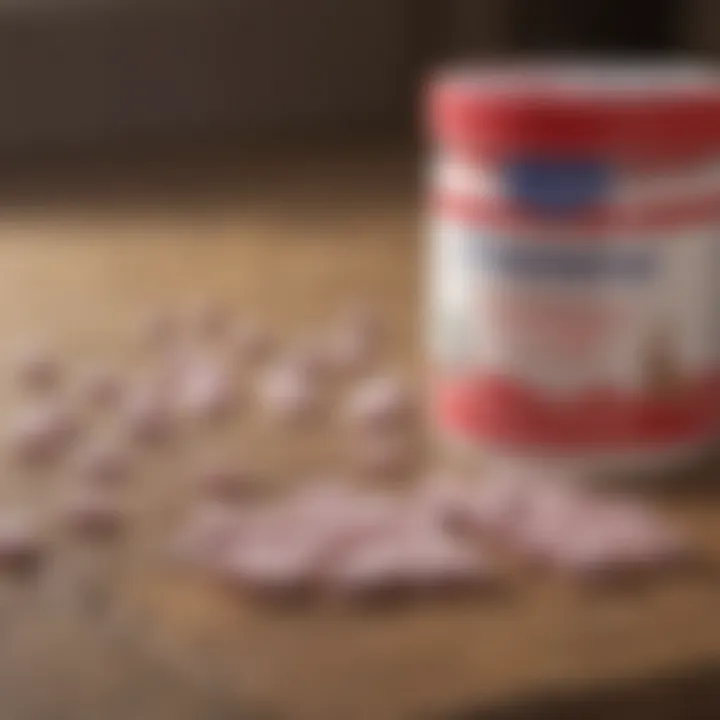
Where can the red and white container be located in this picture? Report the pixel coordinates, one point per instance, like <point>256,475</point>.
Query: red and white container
<point>575,262</point>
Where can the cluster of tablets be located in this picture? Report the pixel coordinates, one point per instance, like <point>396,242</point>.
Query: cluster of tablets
<point>333,536</point>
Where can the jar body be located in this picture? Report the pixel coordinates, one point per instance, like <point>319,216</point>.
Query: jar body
<point>574,304</point>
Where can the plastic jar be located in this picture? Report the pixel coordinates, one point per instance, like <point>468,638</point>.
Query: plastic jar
<point>574,262</point>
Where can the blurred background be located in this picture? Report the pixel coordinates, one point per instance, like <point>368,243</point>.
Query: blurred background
<point>98,73</point>
<point>148,97</point>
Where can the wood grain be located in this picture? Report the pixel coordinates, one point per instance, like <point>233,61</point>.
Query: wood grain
<point>113,632</point>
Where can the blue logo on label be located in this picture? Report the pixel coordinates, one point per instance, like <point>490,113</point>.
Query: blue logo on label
<point>557,185</point>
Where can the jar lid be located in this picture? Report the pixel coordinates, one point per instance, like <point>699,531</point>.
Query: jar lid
<point>624,110</point>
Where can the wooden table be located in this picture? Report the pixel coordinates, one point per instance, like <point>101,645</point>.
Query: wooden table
<point>110,632</point>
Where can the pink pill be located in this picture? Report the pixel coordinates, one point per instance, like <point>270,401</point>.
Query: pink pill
<point>207,534</point>
<point>403,561</point>
<point>41,431</point>
<point>616,540</point>
<point>226,480</point>
<point>348,350</point>
<point>319,528</point>
<point>343,515</point>
<point>38,368</point>
<point>593,555</point>
<point>642,534</point>
<point>288,394</point>
<point>379,402</point>
<point>442,497</point>
<point>494,506</point>
<point>274,568</point>
<point>205,390</point>
<point>20,542</point>
<point>551,514</point>
<point>166,374</point>
<point>101,387</point>
<point>326,492</point>
<point>310,360</point>
<point>147,414</point>
<point>383,454</point>
<point>251,342</point>
<point>104,461</point>
<point>284,521</point>
<point>372,569</point>
<point>511,497</point>
<point>435,561</point>
<point>95,513</point>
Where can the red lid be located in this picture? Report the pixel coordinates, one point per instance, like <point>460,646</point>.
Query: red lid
<point>628,112</point>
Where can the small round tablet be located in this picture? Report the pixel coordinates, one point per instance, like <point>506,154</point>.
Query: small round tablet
<point>41,431</point>
<point>103,460</point>
<point>551,514</point>
<point>343,514</point>
<point>442,497</point>
<point>383,454</point>
<point>496,505</point>
<point>226,480</point>
<point>204,390</point>
<point>147,414</point>
<point>408,560</point>
<point>640,534</point>
<point>379,402</point>
<point>370,570</point>
<point>288,394</point>
<point>274,568</point>
<point>250,342</point>
<point>94,512</point>
<point>348,350</point>
<point>310,360</point>
<point>206,533</point>
<point>20,542</point>
<point>101,386</point>
<point>435,561</point>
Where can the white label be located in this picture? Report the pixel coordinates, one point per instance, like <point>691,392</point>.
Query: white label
<point>569,315</point>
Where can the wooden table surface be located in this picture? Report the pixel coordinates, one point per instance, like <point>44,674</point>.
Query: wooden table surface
<point>111,632</point>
